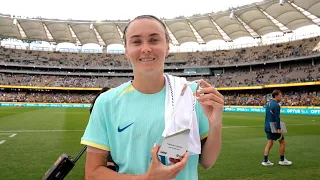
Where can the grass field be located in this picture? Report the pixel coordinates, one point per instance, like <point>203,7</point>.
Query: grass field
<point>43,134</point>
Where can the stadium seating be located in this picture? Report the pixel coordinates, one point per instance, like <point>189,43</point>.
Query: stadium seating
<point>290,73</point>
<point>302,73</point>
<point>290,98</point>
<point>224,57</point>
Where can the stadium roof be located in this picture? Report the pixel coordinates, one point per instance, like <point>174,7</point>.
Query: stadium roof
<point>253,20</point>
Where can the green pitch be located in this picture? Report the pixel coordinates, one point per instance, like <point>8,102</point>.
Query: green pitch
<point>43,134</point>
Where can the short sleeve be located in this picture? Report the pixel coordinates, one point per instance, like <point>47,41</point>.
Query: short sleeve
<point>96,133</point>
<point>203,122</point>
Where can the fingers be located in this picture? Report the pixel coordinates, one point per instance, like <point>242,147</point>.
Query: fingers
<point>207,88</point>
<point>185,158</point>
<point>174,161</point>
<point>154,153</point>
<point>210,90</point>
<point>210,98</point>
<point>211,103</point>
<point>182,162</point>
<point>204,83</point>
<point>179,165</point>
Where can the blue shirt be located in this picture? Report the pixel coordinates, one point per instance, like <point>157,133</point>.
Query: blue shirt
<point>272,115</point>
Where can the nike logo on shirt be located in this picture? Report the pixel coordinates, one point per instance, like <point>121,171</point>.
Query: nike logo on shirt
<point>122,129</point>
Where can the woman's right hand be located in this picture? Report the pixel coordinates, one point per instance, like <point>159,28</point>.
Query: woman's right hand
<point>158,171</point>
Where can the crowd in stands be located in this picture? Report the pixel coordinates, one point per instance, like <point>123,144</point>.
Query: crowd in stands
<point>292,98</point>
<point>267,76</point>
<point>304,72</point>
<point>300,73</point>
<point>61,81</point>
<point>297,99</point>
<point>248,55</point>
<point>45,97</point>
<point>298,48</point>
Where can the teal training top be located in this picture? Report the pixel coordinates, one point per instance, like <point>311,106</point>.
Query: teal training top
<point>128,123</point>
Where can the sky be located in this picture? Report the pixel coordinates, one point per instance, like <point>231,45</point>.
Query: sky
<point>114,10</point>
<point>123,10</point>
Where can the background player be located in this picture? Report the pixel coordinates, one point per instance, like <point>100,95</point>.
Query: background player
<point>273,115</point>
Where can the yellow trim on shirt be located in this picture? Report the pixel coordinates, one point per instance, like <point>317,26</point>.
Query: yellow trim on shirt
<point>92,144</point>
<point>128,89</point>
<point>204,136</point>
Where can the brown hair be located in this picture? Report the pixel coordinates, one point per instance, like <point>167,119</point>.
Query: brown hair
<point>275,93</point>
<point>94,100</point>
<point>145,17</point>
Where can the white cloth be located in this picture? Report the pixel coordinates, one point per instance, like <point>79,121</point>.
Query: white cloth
<point>184,116</point>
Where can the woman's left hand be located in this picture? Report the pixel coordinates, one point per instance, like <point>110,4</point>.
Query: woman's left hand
<point>212,102</point>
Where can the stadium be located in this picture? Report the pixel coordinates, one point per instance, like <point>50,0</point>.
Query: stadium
<point>46,89</point>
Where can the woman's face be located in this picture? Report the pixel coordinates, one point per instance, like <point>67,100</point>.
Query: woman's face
<point>146,46</point>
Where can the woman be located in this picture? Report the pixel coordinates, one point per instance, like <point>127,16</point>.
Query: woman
<point>129,119</point>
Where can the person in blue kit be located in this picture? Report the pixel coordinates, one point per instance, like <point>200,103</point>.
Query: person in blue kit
<point>273,115</point>
<point>129,120</point>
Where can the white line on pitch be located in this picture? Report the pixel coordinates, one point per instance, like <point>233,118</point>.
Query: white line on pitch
<point>13,135</point>
<point>5,134</point>
<point>61,130</point>
<point>1,142</point>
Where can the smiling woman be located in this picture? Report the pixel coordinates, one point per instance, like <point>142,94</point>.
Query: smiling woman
<point>146,48</point>
<point>129,120</point>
